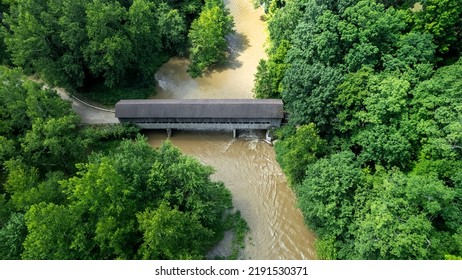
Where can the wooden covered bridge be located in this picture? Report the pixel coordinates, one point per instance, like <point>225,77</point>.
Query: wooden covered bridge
<point>201,114</point>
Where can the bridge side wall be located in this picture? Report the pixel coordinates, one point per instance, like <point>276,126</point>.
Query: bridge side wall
<point>204,124</point>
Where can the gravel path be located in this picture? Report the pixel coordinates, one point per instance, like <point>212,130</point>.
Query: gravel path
<point>89,113</point>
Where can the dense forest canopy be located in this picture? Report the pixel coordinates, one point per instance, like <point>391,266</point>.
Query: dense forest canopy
<point>70,191</point>
<point>79,44</point>
<point>77,192</point>
<point>373,150</point>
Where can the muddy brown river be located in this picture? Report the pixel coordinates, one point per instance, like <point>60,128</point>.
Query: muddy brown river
<point>246,165</point>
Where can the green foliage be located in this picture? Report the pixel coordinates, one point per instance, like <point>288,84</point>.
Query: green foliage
<point>106,133</point>
<point>37,125</point>
<point>103,196</point>
<point>53,142</point>
<point>414,50</point>
<point>309,92</point>
<point>366,74</point>
<point>368,31</point>
<point>240,228</point>
<point>316,38</point>
<point>145,34</point>
<point>327,194</point>
<point>268,4</point>
<point>385,145</point>
<point>50,231</point>
<point>110,96</point>
<point>207,36</point>
<point>453,258</point>
<point>325,248</point>
<point>137,202</point>
<point>282,24</point>
<point>438,115</point>
<point>12,236</point>
<point>172,26</point>
<point>374,110</point>
<point>297,149</point>
<point>398,221</point>
<point>4,56</point>
<point>107,209</point>
<point>270,74</point>
<point>443,20</point>
<point>189,186</point>
<point>77,44</point>
<point>447,171</point>
<point>109,52</point>
<point>6,209</point>
<point>172,234</point>
<point>13,121</point>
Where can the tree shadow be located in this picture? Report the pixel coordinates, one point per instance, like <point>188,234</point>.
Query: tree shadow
<point>237,43</point>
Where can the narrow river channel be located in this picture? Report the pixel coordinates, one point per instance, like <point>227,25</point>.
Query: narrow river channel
<point>246,165</point>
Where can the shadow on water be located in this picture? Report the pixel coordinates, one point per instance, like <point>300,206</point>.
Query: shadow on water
<point>237,44</point>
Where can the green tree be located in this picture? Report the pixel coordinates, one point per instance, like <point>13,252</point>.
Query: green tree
<point>443,20</point>
<point>316,38</point>
<point>107,201</point>
<point>13,121</point>
<point>26,187</point>
<point>270,74</point>
<point>37,125</point>
<point>207,36</point>
<point>81,44</point>
<point>71,69</point>
<point>446,171</point>
<point>309,91</point>
<point>172,26</point>
<point>54,143</point>
<point>368,31</point>
<point>374,109</point>
<point>109,194</point>
<point>414,51</point>
<point>386,145</point>
<point>50,233</point>
<point>351,95</point>
<point>327,197</point>
<point>437,115</point>
<point>145,34</point>
<point>4,56</point>
<point>297,149</point>
<point>172,234</point>
<point>35,43</point>
<point>110,51</point>
<point>189,186</point>
<point>365,73</point>
<point>397,223</point>
<point>282,23</point>
<point>12,235</point>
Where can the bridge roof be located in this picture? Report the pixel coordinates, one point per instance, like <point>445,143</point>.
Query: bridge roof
<point>200,108</point>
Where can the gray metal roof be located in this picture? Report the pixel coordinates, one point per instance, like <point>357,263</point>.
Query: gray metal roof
<point>199,108</point>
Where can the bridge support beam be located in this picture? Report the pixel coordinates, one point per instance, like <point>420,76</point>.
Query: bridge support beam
<point>169,132</point>
<point>235,133</point>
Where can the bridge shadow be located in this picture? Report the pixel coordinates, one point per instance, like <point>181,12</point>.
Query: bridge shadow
<point>237,43</point>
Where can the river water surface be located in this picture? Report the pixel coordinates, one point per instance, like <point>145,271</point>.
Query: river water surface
<point>246,165</point>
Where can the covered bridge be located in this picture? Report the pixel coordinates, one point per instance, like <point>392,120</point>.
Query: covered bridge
<point>203,114</point>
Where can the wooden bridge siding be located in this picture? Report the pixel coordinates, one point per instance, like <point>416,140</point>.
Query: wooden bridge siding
<point>202,114</point>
